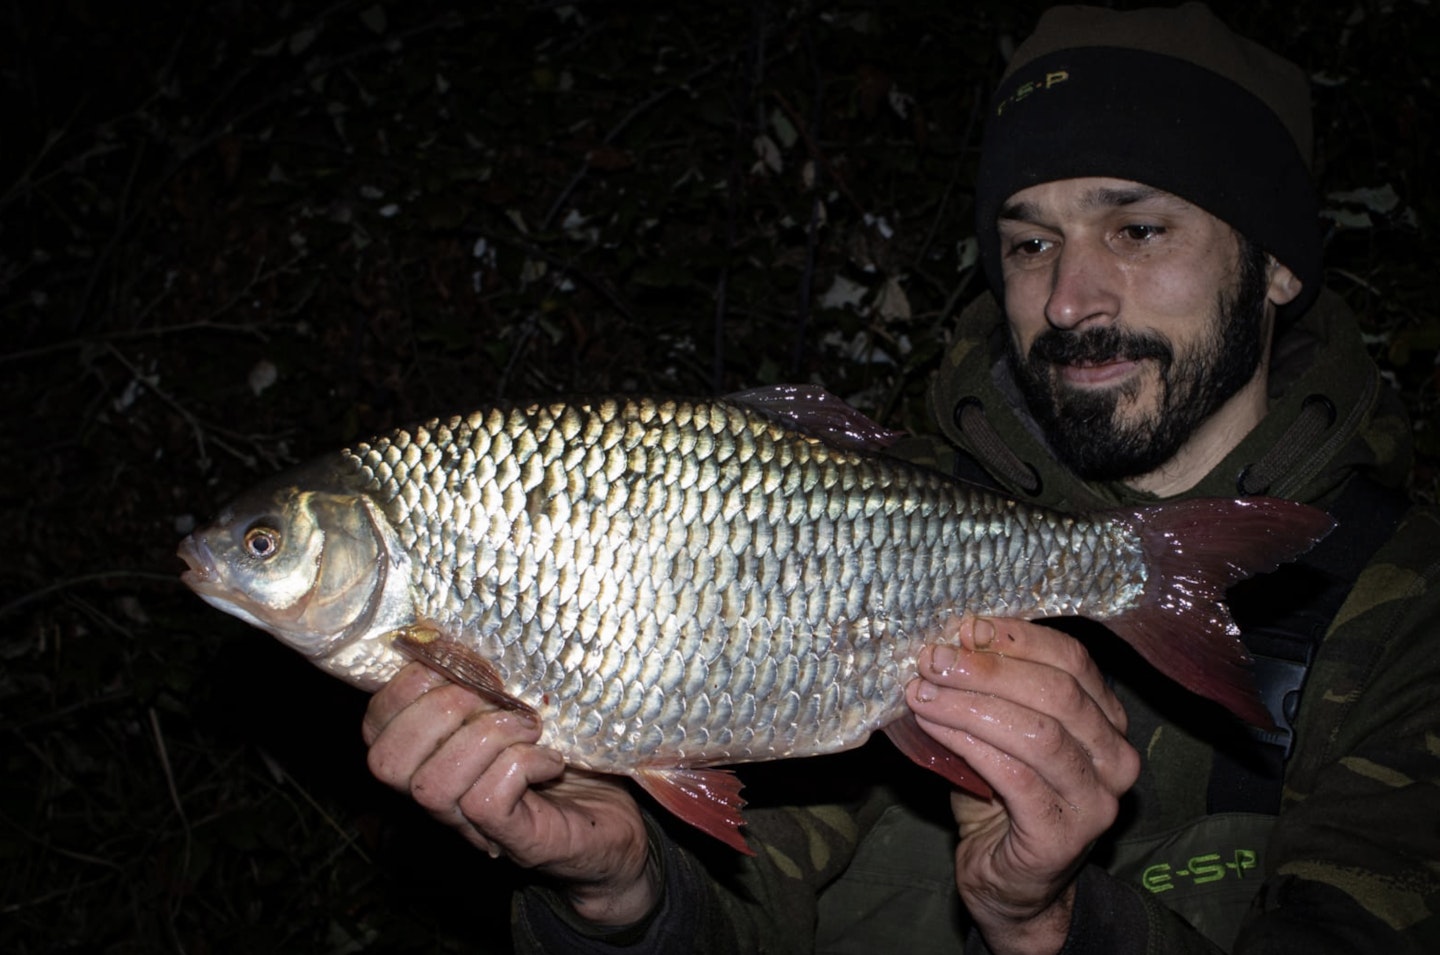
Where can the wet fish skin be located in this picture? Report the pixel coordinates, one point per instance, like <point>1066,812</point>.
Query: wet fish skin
<point>672,584</point>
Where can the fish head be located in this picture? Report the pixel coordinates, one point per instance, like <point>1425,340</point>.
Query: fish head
<point>308,566</point>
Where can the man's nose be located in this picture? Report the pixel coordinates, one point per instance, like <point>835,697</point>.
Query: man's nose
<point>1083,288</point>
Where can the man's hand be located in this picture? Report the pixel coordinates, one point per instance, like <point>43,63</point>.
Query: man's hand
<point>1028,709</point>
<point>478,769</point>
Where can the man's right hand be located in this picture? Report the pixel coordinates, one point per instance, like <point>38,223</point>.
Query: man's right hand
<point>478,769</point>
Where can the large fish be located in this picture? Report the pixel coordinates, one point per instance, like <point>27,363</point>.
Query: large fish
<point>673,585</point>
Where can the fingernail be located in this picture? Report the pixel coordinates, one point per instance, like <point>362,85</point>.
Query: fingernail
<point>984,634</point>
<point>942,659</point>
<point>925,692</point>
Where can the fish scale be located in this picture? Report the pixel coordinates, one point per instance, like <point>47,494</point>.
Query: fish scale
<point>671,585</point>
<point>814,516</point>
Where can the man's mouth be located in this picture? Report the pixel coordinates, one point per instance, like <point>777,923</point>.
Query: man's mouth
<point>1096,374</point>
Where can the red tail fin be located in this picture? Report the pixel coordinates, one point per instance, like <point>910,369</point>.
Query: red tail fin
<point>1195,550</point>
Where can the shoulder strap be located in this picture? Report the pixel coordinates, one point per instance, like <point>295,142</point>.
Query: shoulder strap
<point>1283,617</point>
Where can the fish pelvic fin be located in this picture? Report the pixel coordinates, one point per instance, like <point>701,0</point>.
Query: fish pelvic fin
<point>459,664</point>
<point>1195,550</point>
<point>708,799</point>
<point>927,751</point>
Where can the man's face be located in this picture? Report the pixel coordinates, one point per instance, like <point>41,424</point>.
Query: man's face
<point>1134,318</point>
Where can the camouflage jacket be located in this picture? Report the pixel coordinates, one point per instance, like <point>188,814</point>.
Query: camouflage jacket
<point>1348,859</point>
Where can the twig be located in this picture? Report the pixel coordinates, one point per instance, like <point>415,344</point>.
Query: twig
<point>283,776</point>
<point>69,582</point>
<point>814,150</point>
<point>199,145</point>
<point>200,428</point>
<point>23,183</point>
<point>804,304</point>
<point>11,907</point>
<point>734,185</point>
<point>207,323</point>
<point>1363,283</point>
<point>184,822</point>
<point>55,716</point>
<point>614,133</point>
<point>522,341</point>
<point>201,325</point>
<point>970,125</point>
<point>577,273</point>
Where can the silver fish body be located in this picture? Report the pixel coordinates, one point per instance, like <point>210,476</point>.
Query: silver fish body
<point>685,583</point>
<point>667,583</point>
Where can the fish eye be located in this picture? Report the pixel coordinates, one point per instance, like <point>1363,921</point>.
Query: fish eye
<point>262,542</point>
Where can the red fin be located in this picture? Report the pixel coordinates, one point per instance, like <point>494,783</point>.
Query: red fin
<point>815,411</point>
<point>462,665</point>
<point>924,749</point>
<point>1195,550</point>
<point>708,799</point>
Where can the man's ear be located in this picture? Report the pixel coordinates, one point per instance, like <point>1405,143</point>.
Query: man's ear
<point>1284,285</point>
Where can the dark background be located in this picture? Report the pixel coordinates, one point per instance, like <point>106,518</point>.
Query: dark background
<point>234,234</point>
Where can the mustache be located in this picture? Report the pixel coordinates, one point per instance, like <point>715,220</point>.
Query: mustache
<point>1060,347</point>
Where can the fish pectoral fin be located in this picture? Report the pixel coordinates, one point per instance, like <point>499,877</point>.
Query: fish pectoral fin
<point>459,664</point>
<point>708,799</point>
<point>924,749</point>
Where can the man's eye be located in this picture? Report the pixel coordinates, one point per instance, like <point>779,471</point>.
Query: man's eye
<point>1028,247</point>
<point>1140,233</point>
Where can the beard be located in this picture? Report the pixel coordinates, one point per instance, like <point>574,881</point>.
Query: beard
<point>1085,427</point>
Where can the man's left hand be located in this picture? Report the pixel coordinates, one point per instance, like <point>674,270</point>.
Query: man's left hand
<point>1028,709</point>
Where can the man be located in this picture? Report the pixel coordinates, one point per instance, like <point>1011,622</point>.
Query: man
<point>1147,222</point>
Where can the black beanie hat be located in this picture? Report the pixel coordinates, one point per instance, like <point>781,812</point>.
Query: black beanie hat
<point>1166,97</point>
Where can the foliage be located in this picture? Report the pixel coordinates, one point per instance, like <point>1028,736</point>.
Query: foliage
<point>233,234</point>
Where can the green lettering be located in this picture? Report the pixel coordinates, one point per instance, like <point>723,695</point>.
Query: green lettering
<point>1207,868</point>
<point>1244,859</point>
<point>1059,76</point>
<point>1157,878</point>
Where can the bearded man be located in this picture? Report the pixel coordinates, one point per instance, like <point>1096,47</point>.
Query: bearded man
<point>1158,330</point>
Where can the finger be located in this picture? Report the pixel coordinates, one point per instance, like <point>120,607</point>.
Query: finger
<point>1026,693</point>
<point>413,681</point>
<point>1056,717</point>
<point>1035,704</point>
<point>1081,758</point>
<point>461,761</point>
<point>1022,640</point>
<point>504,807</point>
<point>415,733</point>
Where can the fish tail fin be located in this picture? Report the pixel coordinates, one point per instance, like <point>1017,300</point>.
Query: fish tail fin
<point>1195,550</point>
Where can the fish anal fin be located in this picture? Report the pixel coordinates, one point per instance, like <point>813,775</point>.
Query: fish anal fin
<point>1196,549</point>
<point>459,663</point>
<point>815,411</point>
<point>927,751</point>
<point>708,799</point>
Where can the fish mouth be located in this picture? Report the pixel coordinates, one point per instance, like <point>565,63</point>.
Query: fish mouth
<point>202,573</point>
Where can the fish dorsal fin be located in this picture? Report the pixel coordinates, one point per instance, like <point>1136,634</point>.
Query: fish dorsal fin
<point>813,410</point>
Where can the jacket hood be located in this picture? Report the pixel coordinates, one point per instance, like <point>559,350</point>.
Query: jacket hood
<point>1331,416</point>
